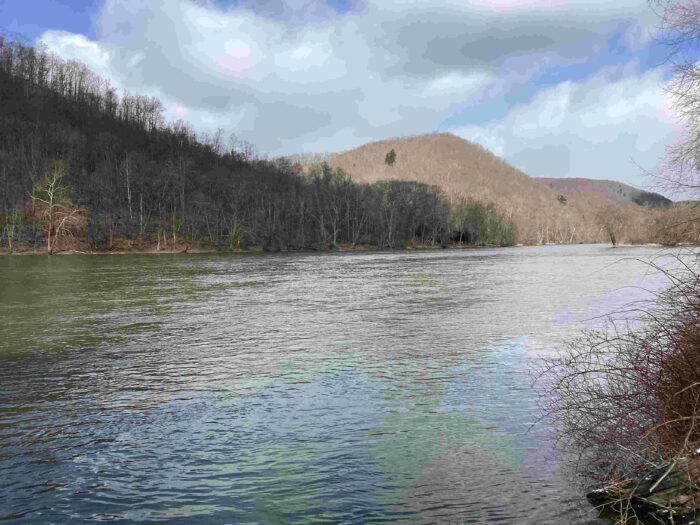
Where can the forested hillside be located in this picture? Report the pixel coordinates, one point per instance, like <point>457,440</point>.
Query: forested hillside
<point>610,190</point>
<point>85,167</point>
<point>82,167</point>
<point>466,172</point>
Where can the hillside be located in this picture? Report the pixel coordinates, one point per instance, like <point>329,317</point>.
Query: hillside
<point>82,168</point>
<point>468,172</point>
<point>610,190</point>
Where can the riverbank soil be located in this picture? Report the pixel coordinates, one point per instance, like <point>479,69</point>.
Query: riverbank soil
<point>668,495</point>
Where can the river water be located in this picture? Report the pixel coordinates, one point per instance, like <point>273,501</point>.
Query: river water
<point>309,388</point>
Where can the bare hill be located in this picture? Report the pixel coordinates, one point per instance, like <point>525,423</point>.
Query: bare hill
<point>468,172</point>
<point>610,190</point>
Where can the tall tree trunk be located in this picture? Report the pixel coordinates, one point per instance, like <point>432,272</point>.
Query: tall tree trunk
<point>128,188</point>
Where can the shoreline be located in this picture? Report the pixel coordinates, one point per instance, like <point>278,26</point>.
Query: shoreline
<point>257,250</point>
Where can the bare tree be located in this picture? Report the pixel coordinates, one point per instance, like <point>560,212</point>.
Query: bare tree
<point>680,32</point>
<point>50,202</point>
<point>10,221</point>
<point>46,198</point>
<point>611,219</point>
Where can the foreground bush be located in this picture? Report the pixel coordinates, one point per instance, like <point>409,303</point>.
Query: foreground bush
<point>626,400</point>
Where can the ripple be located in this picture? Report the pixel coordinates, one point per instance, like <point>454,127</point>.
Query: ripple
<point>311,388</point>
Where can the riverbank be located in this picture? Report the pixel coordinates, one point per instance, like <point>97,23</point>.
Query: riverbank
<point>626,400</point>
<point>669,494</point>
<point>181,248</point>
<point>120,250</point>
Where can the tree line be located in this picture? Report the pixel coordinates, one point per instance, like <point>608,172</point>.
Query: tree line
<point>127,175</point>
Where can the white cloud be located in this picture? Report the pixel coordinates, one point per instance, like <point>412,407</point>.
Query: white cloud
<point>78,47</point>
<point>297,76</point>
<point>455,83</point>
<point>599,128</point>
<point>282,87</point>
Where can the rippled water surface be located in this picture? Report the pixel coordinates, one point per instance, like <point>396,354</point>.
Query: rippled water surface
<point>357,387</point>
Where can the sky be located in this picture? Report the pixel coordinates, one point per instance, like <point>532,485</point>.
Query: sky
<point>559,88</point>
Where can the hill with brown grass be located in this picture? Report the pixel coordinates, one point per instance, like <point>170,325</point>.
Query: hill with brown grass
<point>466,172</point>
<point>610,190</point>
<point>542,210</point>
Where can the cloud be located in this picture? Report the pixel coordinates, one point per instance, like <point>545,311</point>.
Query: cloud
<point>78,47</point>
<point>605,127</point>
<point>313,75</point>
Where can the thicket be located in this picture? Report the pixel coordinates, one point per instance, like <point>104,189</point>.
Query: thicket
<point>626,399</point>
<point>139,178</point>
<point>480,225</point>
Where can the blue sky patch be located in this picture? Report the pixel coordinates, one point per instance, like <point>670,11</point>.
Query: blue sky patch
<point>31,19</point>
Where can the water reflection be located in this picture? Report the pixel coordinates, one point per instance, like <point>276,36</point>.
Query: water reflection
<point>291,388</point>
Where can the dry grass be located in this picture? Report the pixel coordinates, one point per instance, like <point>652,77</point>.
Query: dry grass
<point>467,172</point>
<point>678,391</point>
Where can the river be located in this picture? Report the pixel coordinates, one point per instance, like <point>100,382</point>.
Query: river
<point>310,388</point>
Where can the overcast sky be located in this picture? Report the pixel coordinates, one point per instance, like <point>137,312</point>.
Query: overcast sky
<point>557,87</point>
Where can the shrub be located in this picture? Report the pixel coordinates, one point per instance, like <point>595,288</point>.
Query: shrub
<point>626,399</point>
<point>480,225</point>
<point>678,392</point>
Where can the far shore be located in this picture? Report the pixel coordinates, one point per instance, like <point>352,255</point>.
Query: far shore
<point>254,250</point>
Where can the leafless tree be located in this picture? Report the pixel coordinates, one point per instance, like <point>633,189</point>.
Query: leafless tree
<point>47,196</point>
<point>58,215</point>
<point>679,30</point>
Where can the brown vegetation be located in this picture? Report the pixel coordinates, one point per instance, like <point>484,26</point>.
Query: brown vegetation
<point>626,400</point>
<point>137,177</point>
<point>119,245</point>
<point>466,172</point>
<point>610,190</point>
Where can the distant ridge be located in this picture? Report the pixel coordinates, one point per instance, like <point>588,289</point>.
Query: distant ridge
<point>611,190</point>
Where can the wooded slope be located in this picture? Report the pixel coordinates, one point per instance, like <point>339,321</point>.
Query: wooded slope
<point>468,172</point>
<point>542,210</point>
<point>610,190</point>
